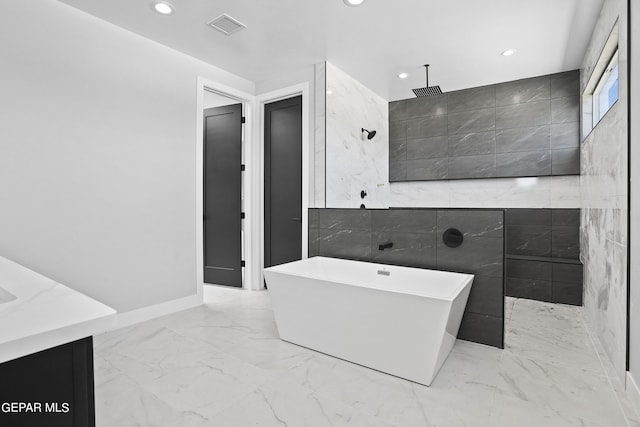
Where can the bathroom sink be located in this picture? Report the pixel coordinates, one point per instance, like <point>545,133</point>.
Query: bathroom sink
<point>6,296</point>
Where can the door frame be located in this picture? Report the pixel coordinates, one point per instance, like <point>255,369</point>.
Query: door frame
<point>247,100</point>
<point>253,184</point>
<point>257,246</point>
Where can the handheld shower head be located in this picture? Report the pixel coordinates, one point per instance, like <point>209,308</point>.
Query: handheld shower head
<point>370,133</point>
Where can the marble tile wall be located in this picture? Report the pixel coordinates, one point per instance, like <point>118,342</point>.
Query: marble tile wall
<point>417,242</point>
<point>633,375</point>
<point>527,127</point>
<point>320,72</point>
<point>604,197</point>
<point>345,175</point>
<point>354,163</point>
<point>533,192</point>
<point>542,255</point>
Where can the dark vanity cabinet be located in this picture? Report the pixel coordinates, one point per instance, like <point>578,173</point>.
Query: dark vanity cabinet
<point>51,388</point>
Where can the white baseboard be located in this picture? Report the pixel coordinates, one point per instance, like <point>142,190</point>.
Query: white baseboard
<point>633,392</point>
<point>147,313</point>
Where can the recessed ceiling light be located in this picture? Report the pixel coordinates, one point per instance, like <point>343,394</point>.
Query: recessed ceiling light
<point>508,52</point>
<point>353,2</point>
<point>403,75</point>
<point>163,8</point>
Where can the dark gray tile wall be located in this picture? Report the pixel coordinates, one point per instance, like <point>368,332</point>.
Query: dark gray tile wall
<point>543,250</point>
<point>527,127</point>
<point>417,242</point>
<point>529,279</point>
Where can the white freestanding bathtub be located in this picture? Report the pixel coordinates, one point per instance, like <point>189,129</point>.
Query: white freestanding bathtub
<point>398,320</point>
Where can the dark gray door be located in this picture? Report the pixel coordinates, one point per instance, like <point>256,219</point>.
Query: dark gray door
<point>222,195</point>
<point>283,181</point>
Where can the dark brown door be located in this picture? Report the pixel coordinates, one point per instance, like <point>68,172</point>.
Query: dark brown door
<point>222,195</point>
<point>283,181</point>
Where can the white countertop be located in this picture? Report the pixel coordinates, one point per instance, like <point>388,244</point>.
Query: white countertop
<point>44,313</point>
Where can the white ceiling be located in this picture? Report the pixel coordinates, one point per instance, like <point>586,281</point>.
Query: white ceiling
<point>461,39</point>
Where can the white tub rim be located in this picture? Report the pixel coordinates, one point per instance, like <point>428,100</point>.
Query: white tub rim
<point>465,278</point>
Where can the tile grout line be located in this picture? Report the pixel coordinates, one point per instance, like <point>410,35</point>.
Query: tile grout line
<point>602,364</point>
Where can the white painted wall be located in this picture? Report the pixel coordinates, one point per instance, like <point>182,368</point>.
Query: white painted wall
<point>97,155</point>
<point>354,163</point>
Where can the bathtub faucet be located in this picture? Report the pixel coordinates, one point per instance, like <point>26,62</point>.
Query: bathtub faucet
<point>384,246</point>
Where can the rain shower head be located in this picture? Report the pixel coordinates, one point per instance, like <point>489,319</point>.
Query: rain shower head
<point>429,90</point>
<point>370,133</point>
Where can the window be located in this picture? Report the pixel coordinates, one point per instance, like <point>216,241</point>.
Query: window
<point>601,90</point>
<point>606,92</point>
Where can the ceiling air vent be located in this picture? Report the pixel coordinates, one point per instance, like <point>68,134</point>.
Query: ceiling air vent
<point>226,24</point>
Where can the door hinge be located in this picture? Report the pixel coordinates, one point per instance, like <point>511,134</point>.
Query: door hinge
<point>243,120</point>
<point>242,168</point>
<point>242,263</point>
<point>241,215</point>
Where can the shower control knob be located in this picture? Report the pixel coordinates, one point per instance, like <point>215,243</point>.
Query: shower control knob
<point>452,237</point>
<point>363,194</point>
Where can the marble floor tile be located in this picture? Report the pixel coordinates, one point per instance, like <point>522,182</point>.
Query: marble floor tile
<point>508,307</point>
<point>312,369</point>
<point>608,366</point>
<point>189,389</point>
<point>557,316</point>
<point>569,346</point>
<point>569,391</point>
<point>285,403</point>
<point>262,351</point>
<point>225,333</point>
<point>508,411</point>
<point>628,408</point>
<point>469,364</point>
<point>210,292</point>
<point>463,391</point>
<point>120,401</point>
<point>223,364</point>
<point>156,346</point>
<point>139,407</point>
<point>362,388</point>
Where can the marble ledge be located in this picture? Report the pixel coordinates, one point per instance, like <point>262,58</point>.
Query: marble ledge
<point>38,313</point>
<point>544,192</point>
